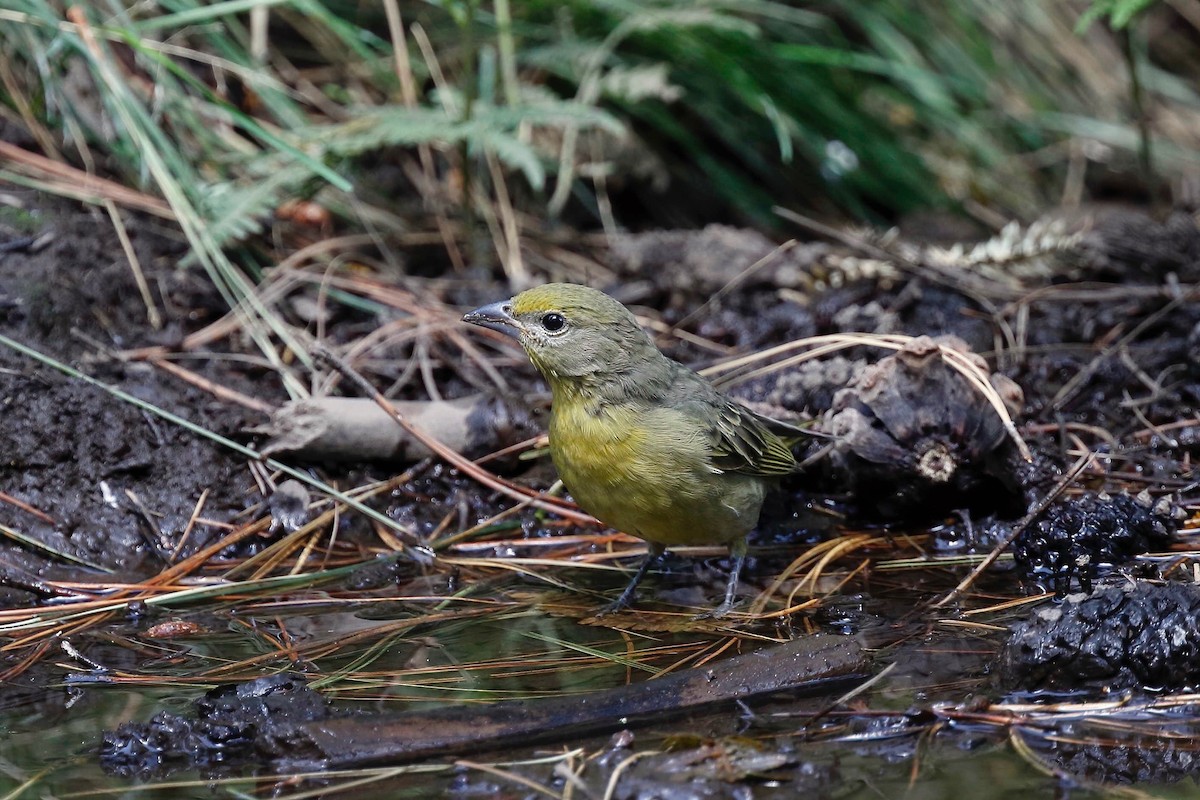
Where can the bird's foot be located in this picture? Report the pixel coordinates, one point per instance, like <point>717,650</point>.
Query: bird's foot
<point>615,607</point>
<point>622,602</point>
<point>718,612</point>
<point>738,550</point>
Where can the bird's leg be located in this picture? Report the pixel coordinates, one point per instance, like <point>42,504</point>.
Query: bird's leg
<point>653,554</point>
<point>738,551</point>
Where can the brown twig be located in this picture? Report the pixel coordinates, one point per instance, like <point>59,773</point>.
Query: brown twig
<point>28,509</point>
<point>191,525</point>
<point>455,459</point>
<point>153,315</point>
<point>215,389</point>
<point>63,179</point>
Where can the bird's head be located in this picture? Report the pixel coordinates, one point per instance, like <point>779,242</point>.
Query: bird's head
<point>571,331</point>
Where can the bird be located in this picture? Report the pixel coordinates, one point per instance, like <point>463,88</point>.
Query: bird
<point>642,442</point>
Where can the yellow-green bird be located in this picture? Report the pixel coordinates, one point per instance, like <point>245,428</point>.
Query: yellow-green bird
<point>643,443</point>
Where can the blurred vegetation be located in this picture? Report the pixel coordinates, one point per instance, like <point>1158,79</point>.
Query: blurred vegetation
<point>627,112</point>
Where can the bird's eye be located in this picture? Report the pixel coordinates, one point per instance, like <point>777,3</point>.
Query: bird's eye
<point>554,322</point>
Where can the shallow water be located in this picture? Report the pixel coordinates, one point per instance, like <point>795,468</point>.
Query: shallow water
<point>883,743</point>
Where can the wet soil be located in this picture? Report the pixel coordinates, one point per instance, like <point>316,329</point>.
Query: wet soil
<point>114,485</point>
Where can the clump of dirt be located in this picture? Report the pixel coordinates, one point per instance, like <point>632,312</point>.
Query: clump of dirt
<point>1112,752</point>
<point>228,722</point>
<point>1073,543</point>
<point>911,430</point>
<point>439,499</point>
<point>72,289</point>
<point>1123,241</point>
<point>697,264</point>
<point>1142,635</point>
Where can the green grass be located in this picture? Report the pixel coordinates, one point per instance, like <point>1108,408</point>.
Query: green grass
<point>870,110</point>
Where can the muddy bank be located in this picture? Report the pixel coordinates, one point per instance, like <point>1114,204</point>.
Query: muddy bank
<point>106,482</point>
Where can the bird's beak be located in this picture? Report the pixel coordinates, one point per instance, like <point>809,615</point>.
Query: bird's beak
<point>497,316</point>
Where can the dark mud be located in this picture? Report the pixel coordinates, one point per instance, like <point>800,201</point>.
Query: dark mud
<point>117,484</point>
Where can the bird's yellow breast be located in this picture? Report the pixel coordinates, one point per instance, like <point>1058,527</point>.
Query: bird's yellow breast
<point>596,451</point>
<point>644,471</point>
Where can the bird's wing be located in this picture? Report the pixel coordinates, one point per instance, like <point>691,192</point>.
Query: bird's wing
<point>739,440</point>
<point>791,434</point>
<point>743,441</point>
